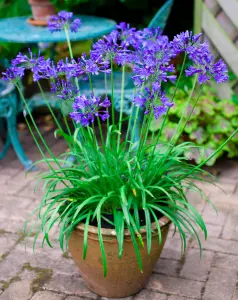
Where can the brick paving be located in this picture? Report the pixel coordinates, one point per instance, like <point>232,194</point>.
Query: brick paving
<point>48,274</point>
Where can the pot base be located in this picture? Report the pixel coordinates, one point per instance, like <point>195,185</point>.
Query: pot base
<point>123,278</point>
<point>34,22</point>
<point>41,11</point>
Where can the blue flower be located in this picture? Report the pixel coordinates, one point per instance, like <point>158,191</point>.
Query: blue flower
<point>85,109</point>
<point>64,20</point>
<point>184,40</point>
<point>106,48</point>
<point>205,66</point>
<point>40,67</point>
<point>93,66</point>
<point>159,110</point>
<point>220,71</point>
<point>69,68</point>
<point>153,99</point>
<point>64,89</point>
<point>28,62</point>
<point>13,74</point>
<point>140,100</point>
<point>152,63</point>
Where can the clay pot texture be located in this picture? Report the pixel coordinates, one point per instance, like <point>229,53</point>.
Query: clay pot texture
<point>123,275</point>
<point>42,9</point>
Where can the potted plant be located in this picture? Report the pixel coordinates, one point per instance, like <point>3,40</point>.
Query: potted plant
<point>41,11</point>
<point>114,203</point>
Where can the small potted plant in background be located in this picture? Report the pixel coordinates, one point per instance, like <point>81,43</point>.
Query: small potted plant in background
<point>115,202</point>
<point>43,9</point>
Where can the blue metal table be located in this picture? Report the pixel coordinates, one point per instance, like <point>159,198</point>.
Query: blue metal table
<point>18,30</point>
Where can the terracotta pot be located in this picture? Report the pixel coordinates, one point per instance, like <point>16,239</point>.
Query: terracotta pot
<point>42,9</point>
<point>123,277</point>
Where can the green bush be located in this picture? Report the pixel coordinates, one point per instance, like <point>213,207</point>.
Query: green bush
<point>212,121</point>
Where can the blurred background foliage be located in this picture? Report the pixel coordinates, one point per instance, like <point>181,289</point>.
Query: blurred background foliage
<point>137,12</point>
<point>211,123</point>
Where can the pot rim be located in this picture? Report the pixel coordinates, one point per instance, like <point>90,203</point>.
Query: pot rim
<point>163,221</point>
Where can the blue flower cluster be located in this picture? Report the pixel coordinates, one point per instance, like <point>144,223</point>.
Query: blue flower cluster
<point>87,108</point>
<point>200,55</point>
<point>147,51</point>
<point>64,20</point>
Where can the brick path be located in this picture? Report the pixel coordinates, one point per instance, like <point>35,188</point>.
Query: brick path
<point>50,275</point>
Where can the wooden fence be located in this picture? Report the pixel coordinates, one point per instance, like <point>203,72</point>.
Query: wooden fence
<point>218,20</point>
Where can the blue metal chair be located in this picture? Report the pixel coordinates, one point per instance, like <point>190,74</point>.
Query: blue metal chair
<point>9,107</point>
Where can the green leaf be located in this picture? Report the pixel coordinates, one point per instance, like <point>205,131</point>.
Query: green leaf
<point>85,236</point>
<point>148,230</point>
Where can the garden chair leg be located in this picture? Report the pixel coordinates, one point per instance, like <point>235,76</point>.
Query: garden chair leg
<point>7,144</point>
<point>2,128</point>
<point>13,135</point>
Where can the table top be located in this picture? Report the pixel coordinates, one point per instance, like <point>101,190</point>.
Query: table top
<point>18,30</point>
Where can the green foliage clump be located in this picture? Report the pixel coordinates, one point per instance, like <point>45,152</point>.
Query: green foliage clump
<point>211,123</point>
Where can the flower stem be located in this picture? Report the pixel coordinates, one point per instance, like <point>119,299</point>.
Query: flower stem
<point>167,113</point>
<point>147,128</point>
<point>100,131</point>
<point>66,121</point>
<point>54,116</point>
<point>121,106</point>
<point>185,111</point>
<point>105,83</point>
<point>189,116</point>
<point>129,123</point>
<point>173,143</point>
<point>135,121</point>
<point>48,104</point>
<point>98,119</point>
<point>41,137</point>
<point>133,129</point>
<point>69,43</point>
<point>112,94</point>
<point>70,51</point>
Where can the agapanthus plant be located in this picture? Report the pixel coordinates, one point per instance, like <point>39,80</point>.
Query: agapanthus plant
<point>112,173</point>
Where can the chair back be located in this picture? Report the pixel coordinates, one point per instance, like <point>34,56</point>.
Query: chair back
<point>161,17</point>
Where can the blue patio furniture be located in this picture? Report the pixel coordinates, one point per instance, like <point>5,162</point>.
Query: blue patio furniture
<point>18,30</point>
<point>9,106</point>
